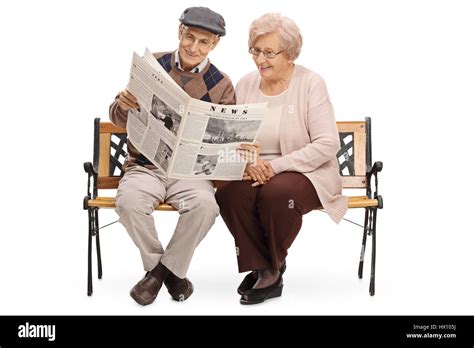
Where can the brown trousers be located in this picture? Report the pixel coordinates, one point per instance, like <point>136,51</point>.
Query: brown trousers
<point>265,220</point>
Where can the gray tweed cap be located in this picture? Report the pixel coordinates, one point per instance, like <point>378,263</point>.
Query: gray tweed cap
<point>204,18</point>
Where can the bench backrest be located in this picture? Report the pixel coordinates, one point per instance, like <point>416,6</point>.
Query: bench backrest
<point>354,157</point>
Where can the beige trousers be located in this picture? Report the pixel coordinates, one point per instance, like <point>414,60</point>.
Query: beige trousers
<point>140,190</point>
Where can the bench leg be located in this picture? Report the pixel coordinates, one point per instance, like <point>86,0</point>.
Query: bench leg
<point>372,271</point>
<point>364,240</point>
<point>97,243</point>
<point>89,252</point>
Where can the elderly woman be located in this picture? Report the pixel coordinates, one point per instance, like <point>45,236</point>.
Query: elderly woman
<point>296,170</point>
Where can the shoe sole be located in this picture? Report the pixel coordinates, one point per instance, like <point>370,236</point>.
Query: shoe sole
<point>272,294</point>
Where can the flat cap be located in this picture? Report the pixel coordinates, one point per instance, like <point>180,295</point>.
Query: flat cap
<point>204,18</point>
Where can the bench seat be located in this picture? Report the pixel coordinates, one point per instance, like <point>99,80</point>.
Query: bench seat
<point>109,202</point>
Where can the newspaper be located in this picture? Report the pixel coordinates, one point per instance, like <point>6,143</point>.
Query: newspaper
<point>183,137</point>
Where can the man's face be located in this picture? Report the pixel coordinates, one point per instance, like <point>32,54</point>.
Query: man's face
<point>194,46</point>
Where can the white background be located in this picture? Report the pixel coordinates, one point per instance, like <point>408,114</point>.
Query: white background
<point>407,64</point>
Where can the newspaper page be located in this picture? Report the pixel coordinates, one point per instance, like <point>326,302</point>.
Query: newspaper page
<point>183,137</point>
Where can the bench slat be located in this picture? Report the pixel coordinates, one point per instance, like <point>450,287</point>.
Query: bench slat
<point>362,202</point>
<point>348,182</point>
<point>109,203</point>
<point>104,157</point>
<point>108,182</point>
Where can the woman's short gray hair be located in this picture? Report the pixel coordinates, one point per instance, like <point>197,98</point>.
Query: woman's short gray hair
<point>289,33</point>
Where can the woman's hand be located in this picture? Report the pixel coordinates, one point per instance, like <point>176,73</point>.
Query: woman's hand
<point>270,172</point>
<point>260,172</point>
<point>256,172</point>
<point>249,152</point>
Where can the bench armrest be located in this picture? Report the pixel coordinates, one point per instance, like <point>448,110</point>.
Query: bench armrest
<point>91,173</point>
<point>89,168</point>
<point>376,168</point>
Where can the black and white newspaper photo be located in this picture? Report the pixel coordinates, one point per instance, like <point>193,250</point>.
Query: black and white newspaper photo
<point>222,131</point>
<point>165,114</point>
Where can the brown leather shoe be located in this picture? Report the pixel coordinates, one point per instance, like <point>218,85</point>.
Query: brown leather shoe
<point>146,290</point>
<point>179,289</point>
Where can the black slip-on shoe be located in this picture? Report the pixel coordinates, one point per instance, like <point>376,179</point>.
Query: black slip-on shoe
<point>251,278</point>
<point>254,296</point>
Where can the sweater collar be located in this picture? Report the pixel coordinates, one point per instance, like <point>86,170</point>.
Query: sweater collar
<point>258,79</point>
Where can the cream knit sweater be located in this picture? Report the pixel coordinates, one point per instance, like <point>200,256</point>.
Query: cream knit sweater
<point>309,138</point>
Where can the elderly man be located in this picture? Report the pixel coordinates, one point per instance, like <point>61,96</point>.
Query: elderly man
<point>143,186</point>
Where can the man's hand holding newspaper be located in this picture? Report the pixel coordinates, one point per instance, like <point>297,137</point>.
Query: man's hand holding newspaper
<point>127,101</point>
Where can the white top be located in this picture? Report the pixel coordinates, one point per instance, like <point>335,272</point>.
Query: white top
<point>196,69</point>
<point>269,136</point>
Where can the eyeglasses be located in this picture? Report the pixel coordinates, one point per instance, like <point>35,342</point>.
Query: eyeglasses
<point>266,53</point>
<point>189,38</point>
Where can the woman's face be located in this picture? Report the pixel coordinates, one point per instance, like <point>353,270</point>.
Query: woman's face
<point>271,68</point>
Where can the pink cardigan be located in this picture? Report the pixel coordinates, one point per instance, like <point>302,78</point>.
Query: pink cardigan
<point>309,138</point>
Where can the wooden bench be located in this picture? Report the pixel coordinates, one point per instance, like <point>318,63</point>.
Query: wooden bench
<point>355,164</point>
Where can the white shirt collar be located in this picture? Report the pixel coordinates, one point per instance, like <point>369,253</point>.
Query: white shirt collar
<point>197,69</point>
